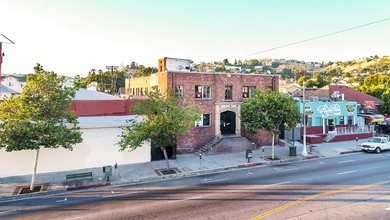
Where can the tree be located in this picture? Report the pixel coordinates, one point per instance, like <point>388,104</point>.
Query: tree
<point>269,111</point>
<point>225,62</point>
<point>39,118</point>
<point>385,108</point>
<point>165,118</point>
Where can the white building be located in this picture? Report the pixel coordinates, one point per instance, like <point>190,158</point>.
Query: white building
<point>99,147</point>
<point>14,82</point>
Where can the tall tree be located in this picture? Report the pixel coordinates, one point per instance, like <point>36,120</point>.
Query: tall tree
<point>269,111</point>
<point>166,117</point>
<point>39,118</point>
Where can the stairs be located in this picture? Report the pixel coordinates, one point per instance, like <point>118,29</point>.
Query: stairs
<point>330,136</point>
<point>205,148</point>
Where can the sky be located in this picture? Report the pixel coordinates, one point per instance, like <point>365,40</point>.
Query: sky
<point>71,37</point>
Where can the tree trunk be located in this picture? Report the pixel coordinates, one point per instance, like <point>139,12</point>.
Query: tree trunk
<point>273,146</point>
<point>35,169</point>
<point>166,158</point>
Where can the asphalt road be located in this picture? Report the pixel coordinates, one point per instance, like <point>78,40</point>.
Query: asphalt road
<point>355,186</point>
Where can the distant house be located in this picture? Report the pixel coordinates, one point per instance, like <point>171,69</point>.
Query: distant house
<point>5,92</point>
<point>14,82</point>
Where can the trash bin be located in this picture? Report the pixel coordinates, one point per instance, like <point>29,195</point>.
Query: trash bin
<point>293,151</point>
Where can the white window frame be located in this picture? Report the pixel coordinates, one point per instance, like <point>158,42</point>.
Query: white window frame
<point>201,121</point>
<point>202,92</point>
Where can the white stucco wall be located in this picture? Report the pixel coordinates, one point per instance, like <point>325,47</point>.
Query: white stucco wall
<point>100,135</point>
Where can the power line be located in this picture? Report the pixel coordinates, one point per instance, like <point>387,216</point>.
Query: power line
<point>314,38</point>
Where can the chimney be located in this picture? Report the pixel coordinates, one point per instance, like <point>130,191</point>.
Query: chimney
<point>161,64</point>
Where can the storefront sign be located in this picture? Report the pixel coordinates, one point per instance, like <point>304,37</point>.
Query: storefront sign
<point>329,110</point>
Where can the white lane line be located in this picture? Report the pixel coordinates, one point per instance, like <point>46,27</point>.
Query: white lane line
<point>7,211</point>
<point>346,161</point>
<point>348,172</point>
<point>79,217</point>
<point>387,209</point>
<point>322,162</point>
<point>120,194</point>
<point>275,184</point>
<point>63,200</point>
<point>287,170</point>
<point>249,173</point>
<point>182,200</point>
<point>212,181</point>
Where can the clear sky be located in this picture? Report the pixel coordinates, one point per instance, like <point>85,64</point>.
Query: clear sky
<point>71,37</point>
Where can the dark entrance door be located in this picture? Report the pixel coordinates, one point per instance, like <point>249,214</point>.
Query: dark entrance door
<point>228,123</point>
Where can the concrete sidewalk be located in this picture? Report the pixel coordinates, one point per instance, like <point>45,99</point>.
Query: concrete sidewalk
<point>185,165</point>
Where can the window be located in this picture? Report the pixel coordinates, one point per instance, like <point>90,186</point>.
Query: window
<point>179,89</point>
<point>203,92</point>
<point>228,92</point>
<point>341,120</point>
<point>248,91</point>
<point>204,121</point>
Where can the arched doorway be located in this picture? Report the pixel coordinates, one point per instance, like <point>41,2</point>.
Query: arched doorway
<point>228,123</point>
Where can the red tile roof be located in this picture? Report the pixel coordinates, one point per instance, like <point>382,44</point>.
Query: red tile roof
<point>353,95</point>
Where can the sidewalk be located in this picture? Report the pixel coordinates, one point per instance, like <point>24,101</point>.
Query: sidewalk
<point>185,165</point>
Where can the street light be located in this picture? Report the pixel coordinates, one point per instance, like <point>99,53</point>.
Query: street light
<point>304,151</point>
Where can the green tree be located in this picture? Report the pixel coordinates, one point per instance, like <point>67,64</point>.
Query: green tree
<point>166,117</point>
<point>39,118</point>
<point>144,71</point>
<point>269,111</point>
<point>225,62</point>
<point>385,108</point>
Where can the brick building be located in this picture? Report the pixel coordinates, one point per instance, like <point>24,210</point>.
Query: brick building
<point>219,94</point>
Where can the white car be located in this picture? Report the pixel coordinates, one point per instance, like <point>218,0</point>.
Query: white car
<point>376,144</point>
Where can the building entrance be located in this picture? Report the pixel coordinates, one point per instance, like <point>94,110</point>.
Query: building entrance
<point>228,123</point>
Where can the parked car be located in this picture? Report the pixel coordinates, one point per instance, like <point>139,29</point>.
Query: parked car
<point>376,144</point>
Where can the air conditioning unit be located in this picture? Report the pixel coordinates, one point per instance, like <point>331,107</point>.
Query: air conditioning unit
<point>313,98</point>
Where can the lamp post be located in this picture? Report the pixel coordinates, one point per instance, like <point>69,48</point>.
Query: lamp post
<point>304,151</point>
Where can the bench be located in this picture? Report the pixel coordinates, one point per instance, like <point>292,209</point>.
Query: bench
<point>78,176</point>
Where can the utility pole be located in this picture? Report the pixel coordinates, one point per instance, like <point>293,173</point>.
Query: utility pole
<point>113,78</point>
<point>2,54</point>
<point>304,151</point>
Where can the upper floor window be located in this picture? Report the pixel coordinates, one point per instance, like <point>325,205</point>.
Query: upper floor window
<point>203,92</point>
<point>248,91</point>
<point>179,89</point>
<point>228,92</point>
<point>204,121</point>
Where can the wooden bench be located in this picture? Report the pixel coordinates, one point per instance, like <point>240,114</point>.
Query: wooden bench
<point>78,176</point>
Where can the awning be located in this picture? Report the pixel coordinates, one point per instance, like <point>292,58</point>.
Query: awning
<point>373,118</point>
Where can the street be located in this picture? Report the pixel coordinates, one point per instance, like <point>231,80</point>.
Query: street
<point>354,186</point>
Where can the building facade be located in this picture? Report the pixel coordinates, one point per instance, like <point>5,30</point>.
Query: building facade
<point>220,96</point>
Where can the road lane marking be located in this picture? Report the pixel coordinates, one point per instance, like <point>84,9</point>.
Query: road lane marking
<point>346,161</point>
<point>212,181</point>
<point>113,194</point>
<point>7,211</point>
<point>347,172</point>
<point>249,173</point>
<point>387,209</point>
<point>62,200</point>
<point>315,196</point>
<point>291,169</point>
<point>276,184</point>
<point>182,200</point>
<point>79,217</point>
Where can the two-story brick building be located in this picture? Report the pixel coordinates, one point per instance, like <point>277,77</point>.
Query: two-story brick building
<point>219,94</point>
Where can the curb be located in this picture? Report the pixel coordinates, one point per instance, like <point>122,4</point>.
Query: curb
<point>88,186</point>
<point>350,152</point>
<point>249,165</point>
